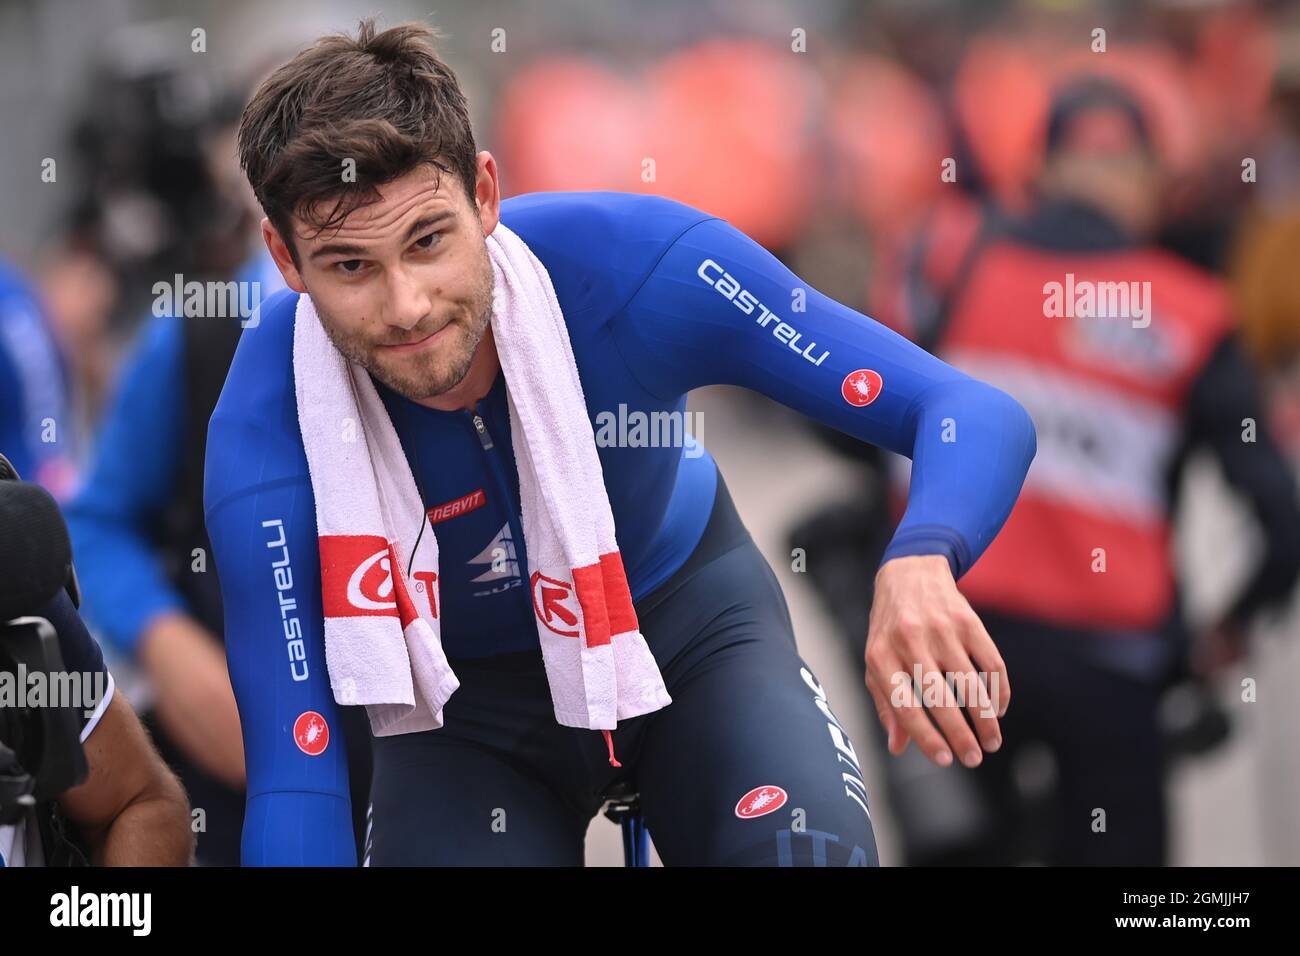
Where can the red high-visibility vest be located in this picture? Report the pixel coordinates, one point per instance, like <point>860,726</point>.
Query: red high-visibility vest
<point>1088,543</point>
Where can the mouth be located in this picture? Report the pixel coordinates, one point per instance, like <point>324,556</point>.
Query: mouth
<point>406,348</point>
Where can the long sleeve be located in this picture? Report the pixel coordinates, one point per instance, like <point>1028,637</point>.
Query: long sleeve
<point>299,808</point>
<point>719,309</point>
<point>134,471</point>
<point>1222,399</point>
<point>261,519</point>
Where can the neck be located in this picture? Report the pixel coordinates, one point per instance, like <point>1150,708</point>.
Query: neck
<point>477,382</point>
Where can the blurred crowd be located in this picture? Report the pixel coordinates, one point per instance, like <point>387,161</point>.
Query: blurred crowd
<point>931,164</point>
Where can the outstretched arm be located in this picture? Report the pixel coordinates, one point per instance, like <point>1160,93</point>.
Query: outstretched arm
<point>719,309</point>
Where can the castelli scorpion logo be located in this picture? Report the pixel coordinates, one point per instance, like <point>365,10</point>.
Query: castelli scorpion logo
<point>861,387</point>
<point>311,733</point>
<point>760,801</point>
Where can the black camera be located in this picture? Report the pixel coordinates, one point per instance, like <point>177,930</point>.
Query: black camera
<point>40,727</point>
<point>40,745</point>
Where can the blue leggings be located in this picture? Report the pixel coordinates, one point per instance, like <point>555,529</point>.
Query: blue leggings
<point>747,767</point>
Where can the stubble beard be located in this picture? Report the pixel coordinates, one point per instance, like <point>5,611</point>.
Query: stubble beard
<point>435,371</point>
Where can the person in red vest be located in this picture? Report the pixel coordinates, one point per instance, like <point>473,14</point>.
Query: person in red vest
<point>1127,360</point>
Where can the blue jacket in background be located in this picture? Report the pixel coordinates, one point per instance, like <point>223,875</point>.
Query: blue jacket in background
<point>37,432</point>
<point>132,479</point>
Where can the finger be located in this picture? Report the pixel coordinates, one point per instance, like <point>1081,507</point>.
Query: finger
<point>911,714</point>
<point>948,714</point>
<point>974,688</point>
<point>897,738</point>
<point>973,695</point>
<point>979,645</point>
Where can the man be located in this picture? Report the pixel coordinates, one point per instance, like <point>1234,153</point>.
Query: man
<point>130,810</point>
<point>1126,357</point>
<point>748,764</point>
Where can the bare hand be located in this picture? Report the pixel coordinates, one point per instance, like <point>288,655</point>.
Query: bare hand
<point>925,639</point>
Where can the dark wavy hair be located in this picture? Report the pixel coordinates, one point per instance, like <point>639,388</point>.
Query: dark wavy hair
<point>384,100</point>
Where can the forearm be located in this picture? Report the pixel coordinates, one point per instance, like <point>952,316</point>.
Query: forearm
<point>1226,413</point>
<point>1260,473</point>
<point>299,808</point>
<point>194,702</point>
<point>152,830</point>
<point>298,828</point>
<point>972,448</point>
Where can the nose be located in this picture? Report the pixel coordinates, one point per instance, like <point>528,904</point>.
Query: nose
<point>408,302</point>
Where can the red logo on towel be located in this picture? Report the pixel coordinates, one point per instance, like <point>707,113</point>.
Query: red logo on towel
<point>549,597</point>
<point>461,506</point>
<point>861,387</point>
<point>760,801</point>
<point>357,578</point>
<point>311,733</point>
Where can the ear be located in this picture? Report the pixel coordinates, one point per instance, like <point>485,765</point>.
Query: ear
<point>487,192</point>
<point>275,244</point>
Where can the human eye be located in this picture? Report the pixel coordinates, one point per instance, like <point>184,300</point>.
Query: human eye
<point>429,241</point>
<point>350,267</point>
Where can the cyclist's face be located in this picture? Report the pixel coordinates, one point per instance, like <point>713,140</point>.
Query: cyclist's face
<point>404,287</point>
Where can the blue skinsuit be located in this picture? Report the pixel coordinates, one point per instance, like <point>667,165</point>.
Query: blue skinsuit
<point>659,299</point>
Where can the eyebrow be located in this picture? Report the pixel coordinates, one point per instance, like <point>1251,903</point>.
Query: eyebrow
<point>418,228</point>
